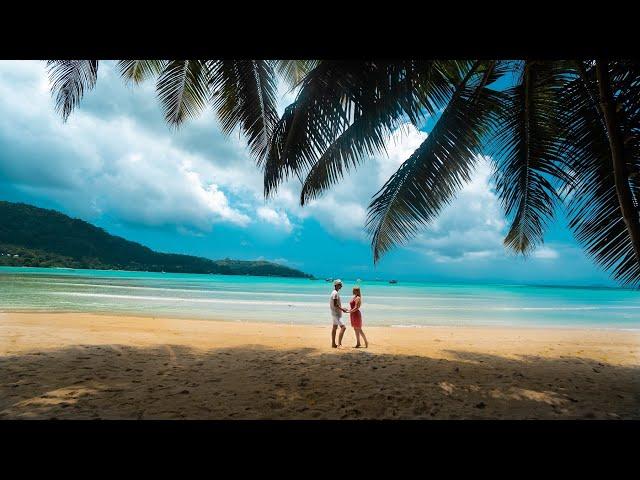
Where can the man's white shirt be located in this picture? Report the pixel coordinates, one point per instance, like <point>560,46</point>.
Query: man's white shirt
<point>335,311</point>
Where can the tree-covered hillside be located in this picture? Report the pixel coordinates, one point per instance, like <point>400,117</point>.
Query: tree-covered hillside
<point>35,237</point>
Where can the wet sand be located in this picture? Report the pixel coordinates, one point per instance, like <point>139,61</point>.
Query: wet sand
<point>83,366</point>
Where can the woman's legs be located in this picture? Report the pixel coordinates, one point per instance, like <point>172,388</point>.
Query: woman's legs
<point>361,332</point>
<point>357,336</point>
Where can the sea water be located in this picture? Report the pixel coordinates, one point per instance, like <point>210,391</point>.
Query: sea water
<point>304,301</point>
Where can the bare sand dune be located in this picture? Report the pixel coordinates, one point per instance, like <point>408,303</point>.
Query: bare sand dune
<point>81,366</point>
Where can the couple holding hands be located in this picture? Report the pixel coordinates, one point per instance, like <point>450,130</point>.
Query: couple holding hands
<point>353,311</point>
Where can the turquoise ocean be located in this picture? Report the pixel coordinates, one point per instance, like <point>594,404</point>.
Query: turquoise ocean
<point>303,301</point>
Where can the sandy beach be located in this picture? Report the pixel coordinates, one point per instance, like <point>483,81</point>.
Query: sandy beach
<point>85,366</point>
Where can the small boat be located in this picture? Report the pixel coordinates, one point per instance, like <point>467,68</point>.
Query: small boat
<point>328,279</point>
<point>358,280</point>
<point>393,281</point>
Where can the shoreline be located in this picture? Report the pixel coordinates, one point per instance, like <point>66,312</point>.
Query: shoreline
<point>222,318</point>
<point>83,366</point>
<point>304,277</point>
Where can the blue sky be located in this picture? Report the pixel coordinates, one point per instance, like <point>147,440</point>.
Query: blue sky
<point>116,164</point>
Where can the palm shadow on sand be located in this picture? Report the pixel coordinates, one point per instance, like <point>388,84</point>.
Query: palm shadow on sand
<point>254,382</point>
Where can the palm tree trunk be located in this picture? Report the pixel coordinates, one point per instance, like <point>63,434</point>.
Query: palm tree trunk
<point>620,173</point>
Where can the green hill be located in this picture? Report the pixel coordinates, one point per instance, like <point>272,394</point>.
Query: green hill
<point>35,237</point>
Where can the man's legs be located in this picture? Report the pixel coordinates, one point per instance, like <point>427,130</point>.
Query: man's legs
<point>333,336</point>
<point>342,330</point>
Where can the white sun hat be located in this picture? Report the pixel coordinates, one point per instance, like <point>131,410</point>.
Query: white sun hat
<point>337,282</point>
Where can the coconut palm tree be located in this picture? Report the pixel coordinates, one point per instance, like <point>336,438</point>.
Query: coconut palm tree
<point>564,133</point>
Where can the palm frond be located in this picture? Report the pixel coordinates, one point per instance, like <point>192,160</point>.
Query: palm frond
<point>70,79</point>
<point>293,71</point>
<point>183,89</point>
<point>344,111</point>
<point>244,95</point>
<point>429,179</point>
<point>137,71</point>
<point>376,116</point>
<point>319,114</point>
<point>367,135</point>
<point>526,151</point>
<point>593,206</point>
<point>626,78</point>
<point>405,90</point>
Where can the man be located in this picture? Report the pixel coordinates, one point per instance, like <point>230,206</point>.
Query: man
<point>336,314</point>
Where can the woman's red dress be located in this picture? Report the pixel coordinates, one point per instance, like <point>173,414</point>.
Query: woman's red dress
<point>356,317</point>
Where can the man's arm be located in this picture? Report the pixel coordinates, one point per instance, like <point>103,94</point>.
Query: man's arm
<point>336,303</point>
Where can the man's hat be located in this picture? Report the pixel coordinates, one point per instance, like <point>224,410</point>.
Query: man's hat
<point>337,282</point>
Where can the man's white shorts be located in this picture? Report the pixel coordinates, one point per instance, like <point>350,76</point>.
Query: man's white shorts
<point>337,320</point>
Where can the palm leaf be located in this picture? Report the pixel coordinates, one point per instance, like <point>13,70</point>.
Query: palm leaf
<point>244,95</point>
<point>137,71</point>
<point>376,117</point>
<point>367,135</point>
<point>319,114</point>
<point>593,207</point>
<point>527,152</point>
<point>405,90</point>
<point>626,77</point>
<point>183,89</point>
<point>429,179</point>
<point>293,71</point>
<point>70,79</point>
<point>344,110</point>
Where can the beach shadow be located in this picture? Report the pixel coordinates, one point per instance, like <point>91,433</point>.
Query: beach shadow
<point>255,382</point>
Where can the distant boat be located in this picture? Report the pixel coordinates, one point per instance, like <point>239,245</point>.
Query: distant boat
<point>393,281</point>
<point>358,280</point>
<point>328,279</point>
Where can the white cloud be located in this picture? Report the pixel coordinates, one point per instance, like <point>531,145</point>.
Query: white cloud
<point>402,143</point>
<point>470,227</point>
<point>274,217</point>
<point>340,216</point>
<point>109,163</point>
<point>546,253</point>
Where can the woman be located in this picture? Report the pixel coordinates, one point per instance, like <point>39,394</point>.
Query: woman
<point>356,317</point>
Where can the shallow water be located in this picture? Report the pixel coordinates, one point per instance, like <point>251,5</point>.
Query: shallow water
<point>292,300</point>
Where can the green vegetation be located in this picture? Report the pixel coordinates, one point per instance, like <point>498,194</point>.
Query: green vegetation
<point>35,237</point>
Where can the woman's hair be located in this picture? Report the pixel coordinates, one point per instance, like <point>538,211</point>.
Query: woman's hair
<point>356,291</point>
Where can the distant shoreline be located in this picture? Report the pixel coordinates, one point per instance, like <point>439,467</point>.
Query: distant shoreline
<point>310,277</point>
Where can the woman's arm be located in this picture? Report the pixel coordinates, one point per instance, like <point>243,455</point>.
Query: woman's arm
<point>357,306</point>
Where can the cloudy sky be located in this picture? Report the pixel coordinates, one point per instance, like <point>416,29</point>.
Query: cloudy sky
<point>116,164</point>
